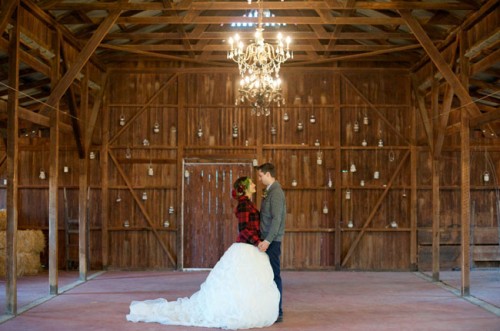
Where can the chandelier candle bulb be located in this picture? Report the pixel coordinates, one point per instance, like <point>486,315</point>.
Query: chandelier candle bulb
<point>259,64</point>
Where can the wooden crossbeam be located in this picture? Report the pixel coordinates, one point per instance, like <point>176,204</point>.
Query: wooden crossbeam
<point>81,59</point>
<point>144,107</point>
<point>141,207</point>
<point>375,209</point>
<point>378,112</point>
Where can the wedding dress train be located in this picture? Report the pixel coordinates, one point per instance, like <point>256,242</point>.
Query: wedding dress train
<point>239,293</point>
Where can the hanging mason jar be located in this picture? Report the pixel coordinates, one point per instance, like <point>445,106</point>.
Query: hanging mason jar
<point>156,127</point>
<point>366,121</point>
<point>353,167</point>
<point>348,194</point>
<point>122,120</point>
<point>350,224</point>
<point>325,208</point>
<point>312,119</point>
<point>273,131</point>
<point>316,143</point>
<point>364,143</point>
<point>356,126</point>
<point>294,182</point>
<point>235,130</point>
<point>319,158</point>
<point>300,126</point>
<point>286,117</point>
<point>486,176</point>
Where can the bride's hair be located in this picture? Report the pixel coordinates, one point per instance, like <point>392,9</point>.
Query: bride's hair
<point>240,186</point>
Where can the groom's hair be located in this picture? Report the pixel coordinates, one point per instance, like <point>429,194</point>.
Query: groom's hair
<point>268,167</point>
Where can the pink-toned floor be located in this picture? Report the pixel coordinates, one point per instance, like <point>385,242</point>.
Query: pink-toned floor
<point>315,300</point>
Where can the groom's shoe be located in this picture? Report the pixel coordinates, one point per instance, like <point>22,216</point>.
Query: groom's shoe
<point>280,319</point>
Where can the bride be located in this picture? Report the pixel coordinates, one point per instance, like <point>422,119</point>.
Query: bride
<point>239,292</point>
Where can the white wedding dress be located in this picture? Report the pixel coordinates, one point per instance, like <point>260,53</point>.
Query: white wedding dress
<point>239,293</point>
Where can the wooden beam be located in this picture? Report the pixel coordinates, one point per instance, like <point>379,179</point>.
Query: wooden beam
<point>440,63</point>
<point>142,208</point>
<point>12,171</point>
<point>92,118</point>
<point>217,20</point>
<point>28,59</point>
<point>171,80</point>
<point>465,169</point>
<point>436,209</point>
<point>338,216</point>
<point>443,123</point>
<point>7,8</point>
<point>105,113</point>
<point>163,56</point>
<point>485,118</point>
<point>30,116</point>
<point>238,5</point>
<point>375,208</point>
<point>446,110</point>
<point>82,59</point>
<point>53,207</point>
<point>420,103</point>
<point>489,61</point>
<point>73,112</point>
<point>181,152</point>
<point>83,189</point>
<point>372,106</point>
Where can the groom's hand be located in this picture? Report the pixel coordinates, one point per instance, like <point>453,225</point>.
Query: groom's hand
<point>263,245</point>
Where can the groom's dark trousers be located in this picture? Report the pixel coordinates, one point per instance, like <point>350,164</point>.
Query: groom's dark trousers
<point>274,253</point>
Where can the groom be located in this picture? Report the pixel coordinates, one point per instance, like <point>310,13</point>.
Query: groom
<point>272,222</point>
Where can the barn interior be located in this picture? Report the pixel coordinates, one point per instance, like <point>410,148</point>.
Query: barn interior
<point>125,124</point>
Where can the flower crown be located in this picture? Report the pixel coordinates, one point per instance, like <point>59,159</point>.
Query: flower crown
<point>240,189</point>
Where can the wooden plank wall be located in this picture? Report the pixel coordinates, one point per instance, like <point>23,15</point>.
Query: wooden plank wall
<point>185,100</point>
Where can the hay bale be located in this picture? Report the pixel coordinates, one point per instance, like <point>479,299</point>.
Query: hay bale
<point>27,264</point>
<point>3,219</point>
<point>30,243</point>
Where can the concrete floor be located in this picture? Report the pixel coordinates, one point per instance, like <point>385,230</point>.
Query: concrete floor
<point>314,300</point>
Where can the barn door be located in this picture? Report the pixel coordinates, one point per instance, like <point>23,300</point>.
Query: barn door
<point>210,226</point>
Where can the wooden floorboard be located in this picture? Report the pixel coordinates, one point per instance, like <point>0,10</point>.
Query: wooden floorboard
<point>313,300</point>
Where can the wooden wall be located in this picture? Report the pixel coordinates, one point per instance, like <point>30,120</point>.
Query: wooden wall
<point>182,102</point>
<point>129,232</point>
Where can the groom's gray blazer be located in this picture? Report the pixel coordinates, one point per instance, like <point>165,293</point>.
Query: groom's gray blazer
<point>272,214</point>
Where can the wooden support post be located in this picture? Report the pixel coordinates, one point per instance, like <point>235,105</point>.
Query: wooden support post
<point>54,177</point>
<point>104,161</point>
<point>12,171</point>
<point>465,173</point>
<point>336,171</point>
<point>181,145</point>
<point>83,184</point>
<point>435,218</point>
<point>413,193</point>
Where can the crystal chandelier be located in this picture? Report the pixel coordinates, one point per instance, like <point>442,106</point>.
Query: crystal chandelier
<point>259,65</point>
